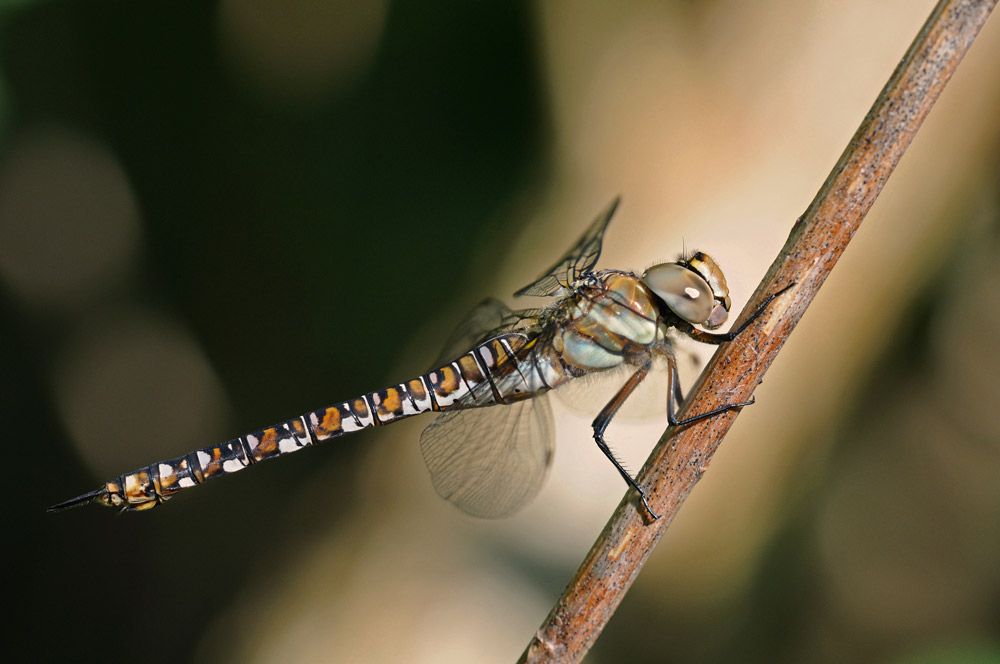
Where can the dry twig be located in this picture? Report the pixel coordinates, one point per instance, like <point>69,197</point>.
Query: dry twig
<point>817,240</point>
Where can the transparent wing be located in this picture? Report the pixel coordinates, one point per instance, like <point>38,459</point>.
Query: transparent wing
<point>580,258</point>
<point>488,319</point>
<point>489,462</point>
<point>588,394</point>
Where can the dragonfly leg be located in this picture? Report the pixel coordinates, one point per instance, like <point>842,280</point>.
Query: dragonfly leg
<point>675,385</point>
<point>604,418</point>
<point>672,401</point>
<point>715,338</point>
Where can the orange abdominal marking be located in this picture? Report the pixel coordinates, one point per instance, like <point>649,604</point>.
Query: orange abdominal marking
<point>331,422</point>
<point>450,380</point>
<point>391,402</point>
<point>417,389</point>
<point>268,442</point>
<point>470,370</point>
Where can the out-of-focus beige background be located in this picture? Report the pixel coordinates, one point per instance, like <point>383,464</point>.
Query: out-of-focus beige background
<point>215,218</point>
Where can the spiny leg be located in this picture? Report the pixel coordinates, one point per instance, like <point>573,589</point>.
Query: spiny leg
<point>602,421</point>
<point>714,338</point>
<point>675,380</point>
<point>672,406</point>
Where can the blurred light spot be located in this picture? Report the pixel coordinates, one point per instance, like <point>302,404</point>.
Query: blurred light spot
<point>134,388</point>
<point>67,218</point>
<point>332,601</point>
<point>299,53</point>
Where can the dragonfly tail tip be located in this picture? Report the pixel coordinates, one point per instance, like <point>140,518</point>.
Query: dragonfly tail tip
<point>88,497</point>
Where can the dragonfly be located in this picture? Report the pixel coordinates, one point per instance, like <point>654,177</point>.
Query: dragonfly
<point>489,449</point>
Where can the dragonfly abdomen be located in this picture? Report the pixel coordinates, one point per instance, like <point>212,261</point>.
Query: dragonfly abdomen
<point>481,377</point>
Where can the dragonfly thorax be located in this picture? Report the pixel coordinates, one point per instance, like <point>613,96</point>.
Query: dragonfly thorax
<point>604,320</point>
<point>694,289</point>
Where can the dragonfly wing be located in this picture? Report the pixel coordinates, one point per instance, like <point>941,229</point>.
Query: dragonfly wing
<point>488,319</point>
<point>486,316</point>
<point>588,394</point>
<point>490,462</point>
<point>580,258</point>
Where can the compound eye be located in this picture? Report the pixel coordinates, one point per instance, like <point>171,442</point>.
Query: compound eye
<point>684,291</point>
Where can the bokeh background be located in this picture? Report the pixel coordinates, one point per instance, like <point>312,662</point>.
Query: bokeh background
<point>215,216</point>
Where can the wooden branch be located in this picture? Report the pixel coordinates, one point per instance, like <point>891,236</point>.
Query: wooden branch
<point>816,241</point>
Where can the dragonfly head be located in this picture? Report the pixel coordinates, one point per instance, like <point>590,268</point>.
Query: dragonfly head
<point>693,288</point>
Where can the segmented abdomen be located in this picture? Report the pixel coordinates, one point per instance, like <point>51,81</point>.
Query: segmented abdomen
<point>490,373</point>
